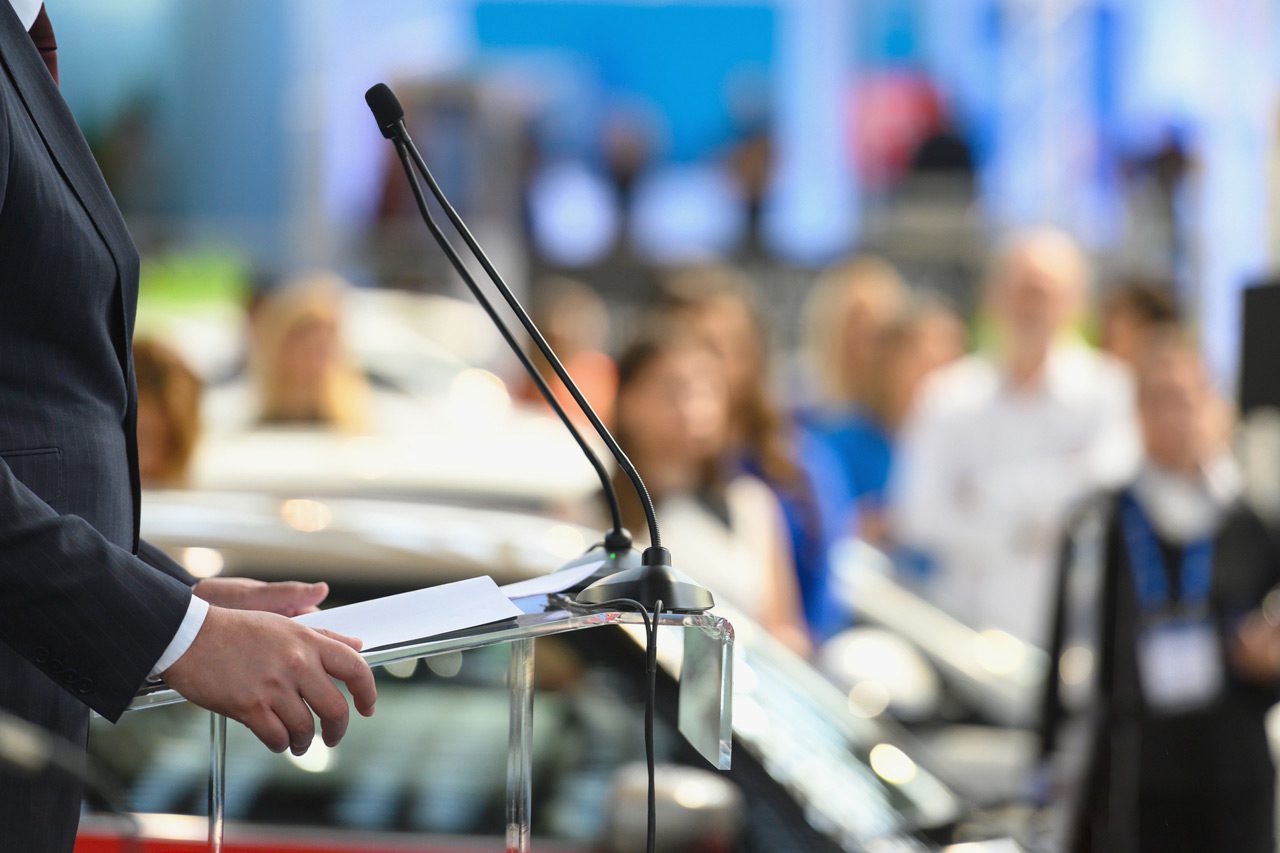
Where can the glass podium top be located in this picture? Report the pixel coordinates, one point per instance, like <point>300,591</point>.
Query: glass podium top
<point>702,663</point>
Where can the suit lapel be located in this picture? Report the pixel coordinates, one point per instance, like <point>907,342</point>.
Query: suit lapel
<point>70,153</point>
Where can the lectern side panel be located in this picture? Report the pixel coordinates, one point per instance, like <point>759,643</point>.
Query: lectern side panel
<point>706,693</point>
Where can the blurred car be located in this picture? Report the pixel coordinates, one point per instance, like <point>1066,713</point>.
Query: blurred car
<point>486,455</point>
<point>970,697</point>
<point>810,773</point>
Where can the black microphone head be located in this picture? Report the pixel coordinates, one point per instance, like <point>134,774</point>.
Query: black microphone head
<point>386,108</point>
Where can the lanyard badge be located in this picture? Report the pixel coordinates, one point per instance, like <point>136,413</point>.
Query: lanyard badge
<point>1180,665</point>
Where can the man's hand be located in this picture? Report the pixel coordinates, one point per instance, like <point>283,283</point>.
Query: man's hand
<point>1256,654</point>
<point>288,598</point>
<point>270,673</point>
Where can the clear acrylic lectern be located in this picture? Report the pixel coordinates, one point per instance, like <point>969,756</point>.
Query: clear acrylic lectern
<point>703,663</point>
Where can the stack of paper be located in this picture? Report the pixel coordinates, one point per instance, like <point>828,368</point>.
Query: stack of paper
<point>552,583</point>
<point>398,619</point>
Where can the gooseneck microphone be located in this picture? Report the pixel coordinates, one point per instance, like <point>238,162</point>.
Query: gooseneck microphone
<point>617,542</point>
<point>655,580</point>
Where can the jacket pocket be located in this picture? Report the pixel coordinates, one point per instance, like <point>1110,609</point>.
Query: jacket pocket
<point>39,469</point>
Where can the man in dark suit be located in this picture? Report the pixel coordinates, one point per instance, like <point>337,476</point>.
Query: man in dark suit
<point>87,610</point>
<point>1153,734</point>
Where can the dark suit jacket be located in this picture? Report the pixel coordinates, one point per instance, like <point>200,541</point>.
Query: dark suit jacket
<point>83,618</point>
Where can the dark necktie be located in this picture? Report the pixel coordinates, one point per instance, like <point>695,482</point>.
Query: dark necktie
<point>42,35</point>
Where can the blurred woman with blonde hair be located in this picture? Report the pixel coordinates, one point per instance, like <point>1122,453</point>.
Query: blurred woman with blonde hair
<point>850,308</point>
<point>303,373</point>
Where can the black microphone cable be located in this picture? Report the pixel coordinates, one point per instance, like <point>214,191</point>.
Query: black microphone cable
<point>650,620</point>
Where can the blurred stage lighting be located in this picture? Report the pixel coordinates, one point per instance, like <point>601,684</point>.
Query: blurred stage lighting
<point>574,214</point>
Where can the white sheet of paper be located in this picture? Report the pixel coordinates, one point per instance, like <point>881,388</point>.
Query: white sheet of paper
<point>428,612</point>
<point>552,583</point>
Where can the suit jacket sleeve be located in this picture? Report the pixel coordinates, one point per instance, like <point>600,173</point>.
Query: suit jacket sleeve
<point>87,613</point>
<point>158,559</point>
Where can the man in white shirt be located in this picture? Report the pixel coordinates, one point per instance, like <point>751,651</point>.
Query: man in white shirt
<point>1002,444</point>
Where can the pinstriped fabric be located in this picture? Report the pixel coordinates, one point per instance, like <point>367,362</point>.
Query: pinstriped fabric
<point>82,619</point>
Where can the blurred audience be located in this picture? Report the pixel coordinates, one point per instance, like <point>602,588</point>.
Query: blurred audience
<point>945,152</point>
<point>631,139</point>
<point>1130,311</point>
<point>927,336</point>
<point>301,368</point>
<point>846,314</point>
<point>1002,443</point>
<point>168,414</point>
<point>724,526</point>
<point>716,305</point>
<point>575,321</point>
<point>1155,654</point>
<point>1156,177</point>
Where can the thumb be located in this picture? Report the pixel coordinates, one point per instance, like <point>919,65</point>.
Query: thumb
<point>289,598</point>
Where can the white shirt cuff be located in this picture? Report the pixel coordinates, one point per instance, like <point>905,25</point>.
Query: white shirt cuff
<point>196,611</point>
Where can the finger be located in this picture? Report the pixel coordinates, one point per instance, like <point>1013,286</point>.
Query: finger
<point>227,592</point>
<point>201,589</point>
<point>316,593</point>
<point>354,642</point>
<point>329,705</point>
<point>268,728</point>
<point>289,598</point>
<point>297,719</point>
<point>349,668</point>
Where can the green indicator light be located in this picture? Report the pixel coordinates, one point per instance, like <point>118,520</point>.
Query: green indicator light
<point>613,556</point>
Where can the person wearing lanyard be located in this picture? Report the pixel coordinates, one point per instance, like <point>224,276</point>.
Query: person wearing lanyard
<point>1155,691</point>
<point>1179,656</point>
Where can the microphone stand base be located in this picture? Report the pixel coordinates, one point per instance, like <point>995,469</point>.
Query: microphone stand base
<point>608,563</point>
<point>648,585</point>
